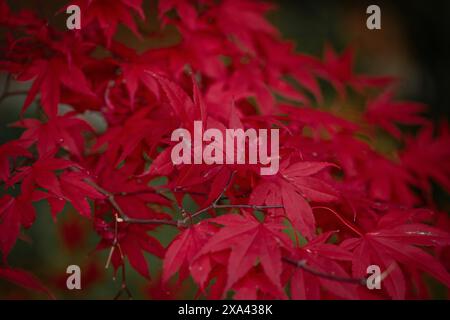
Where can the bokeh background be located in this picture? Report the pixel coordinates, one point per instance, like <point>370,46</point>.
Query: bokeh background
<point>413,45</point>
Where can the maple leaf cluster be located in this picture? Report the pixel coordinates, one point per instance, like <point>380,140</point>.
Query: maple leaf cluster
<point>337,205</point>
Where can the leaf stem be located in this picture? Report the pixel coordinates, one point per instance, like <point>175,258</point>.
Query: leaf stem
<point>344,221</point>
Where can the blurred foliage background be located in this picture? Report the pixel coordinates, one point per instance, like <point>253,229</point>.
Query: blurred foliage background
<point>413,45</point>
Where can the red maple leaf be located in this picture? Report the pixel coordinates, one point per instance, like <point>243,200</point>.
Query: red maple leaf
<point>257,285</point>
<point>386,113</point>
<point>106,15</point>
<point>24,279</point>
<point>323,258</point>
<point>10,151</point>
<point>184,248</point>
<point>428,157</point>
<point>393,244</point>
<point>249,241</point>
<point>49,76</point>
<point>61,131</point>
<point>291,187</point>
<point>339,71</point>
<point>133,241</point>
<point>42,174</point>
<point>14,213</point>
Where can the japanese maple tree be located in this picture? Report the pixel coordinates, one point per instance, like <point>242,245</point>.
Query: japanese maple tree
<point>337,205</point>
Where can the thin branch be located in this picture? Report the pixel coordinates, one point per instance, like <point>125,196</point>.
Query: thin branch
<point>214,203</point>
<point>188,217</point>
<point>303,265</point>
<point>6,93</point>
<point>7,84</point>
<point>176,223</point>
<point>248,206</point>
<point>123,216</point>
<point>115,241</point>
<point>123,286</point>
<point>344,221</point>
